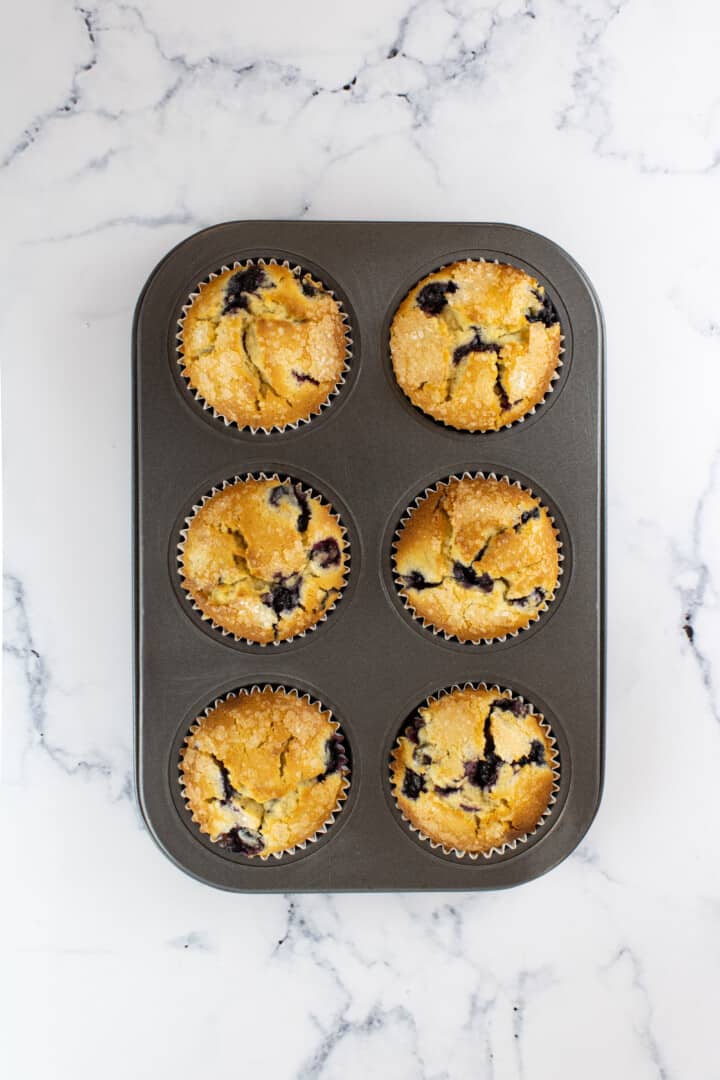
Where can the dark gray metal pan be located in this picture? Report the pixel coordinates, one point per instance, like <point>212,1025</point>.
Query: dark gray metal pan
<point>370,453</point>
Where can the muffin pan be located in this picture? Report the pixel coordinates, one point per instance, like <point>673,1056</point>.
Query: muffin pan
<point>370,453</point>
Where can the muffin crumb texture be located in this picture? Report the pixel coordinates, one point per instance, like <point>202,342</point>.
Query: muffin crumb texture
<point>264,771</point>
<point>476,345</point>
<point>263,345</point>
<point>475,770</point>
<point>477,558</point>
<point>264,559</point>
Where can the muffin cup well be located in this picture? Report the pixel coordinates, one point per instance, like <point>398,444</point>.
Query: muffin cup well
<point>280,479</point>
<point>405,601</point>
<point>298,271</point>
<point>342,759</point>
<point>510,845</point>
<point>454,427</point>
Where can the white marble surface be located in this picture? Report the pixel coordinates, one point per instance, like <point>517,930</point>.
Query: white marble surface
<point>125,128</point>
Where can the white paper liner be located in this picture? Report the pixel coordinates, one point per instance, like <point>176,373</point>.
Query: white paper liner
<point>405,600</point>
<point>344,766</point>
<point>553,378</point>
<point>310,493</point>
<point>299,272</point>
<point>510,845</point>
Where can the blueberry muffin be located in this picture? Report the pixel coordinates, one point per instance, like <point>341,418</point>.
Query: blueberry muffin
<point>264,559</point>
<point>476,345</point>
<point>475,770</point>
<point>477,558</point>
<point>263,345</point>
<point>264,771</point>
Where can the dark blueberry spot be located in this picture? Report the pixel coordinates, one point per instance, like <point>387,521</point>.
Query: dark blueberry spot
<point>445,790</point>
<point>228,789</point>
<point>287,491</point>
<point>414,728</point>
<point>469,579</point>
<point>526,516</point>
<point>537,752</point>
<point>304,516</point>
<point>308,288</point>
<point>535,757</point>
<point>413,784</point>
<point>546,314</point>
<point>325,553</point>
<point>483,773</point>
<point>301,377</point>
<point>334,757</point>
<point>535,597</point>
<point>517,708</point>
<point>476,344</point>
<point>416,580</point>
<point>283,597</point>
<point>432,299</point>
<point>421,756</point>
<point>242,283</point>
<point>242,841</point>
<point>282,491</point>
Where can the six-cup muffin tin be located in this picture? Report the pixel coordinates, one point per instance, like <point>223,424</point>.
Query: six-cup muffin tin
<point>370,453</point>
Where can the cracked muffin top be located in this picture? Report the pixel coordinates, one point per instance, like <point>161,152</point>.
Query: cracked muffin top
<point>263,345</point>
<point>477,558</point>
<point>264,771</point>
<point>264,559</point>
<point>476,345</point>
<point>475,770</point>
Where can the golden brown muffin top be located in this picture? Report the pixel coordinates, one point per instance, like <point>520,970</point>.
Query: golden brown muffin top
<point>475,770</point>
<point>477,558</point>
<point>476,345</point>
<point>264,771</point>
<point>264,345</point>
<point>264,559</point>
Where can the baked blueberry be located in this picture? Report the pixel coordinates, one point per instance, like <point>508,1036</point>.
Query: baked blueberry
<point>284,596</point>
<point>413,784</point>
<point>416,580</point>
<point>335,758</point>
<point>326,553</point>
<point>242,841</point>
<point>241,285</point>
<point>483,773</point>
<point>470,579</point>
<point>545,313</point>
<point>534,598</point>
<point>432,298</point>
<point>513,705</point>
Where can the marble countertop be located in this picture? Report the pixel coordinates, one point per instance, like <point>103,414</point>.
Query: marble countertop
<point>123,129</point>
